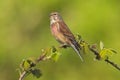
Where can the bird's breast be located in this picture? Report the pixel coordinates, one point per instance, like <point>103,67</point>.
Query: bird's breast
<point>60,37</point>
<point>54,29</point>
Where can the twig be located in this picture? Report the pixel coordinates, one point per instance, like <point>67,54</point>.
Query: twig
<point>95,52</point>
<point>41,58</point>
<point>106,60</point>
<point>23,75</point>
<point>112,63</point>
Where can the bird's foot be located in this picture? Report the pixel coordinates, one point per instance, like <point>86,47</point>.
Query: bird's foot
<point>63,46</point>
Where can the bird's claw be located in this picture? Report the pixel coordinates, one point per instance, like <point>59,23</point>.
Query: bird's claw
<point>63,46</point>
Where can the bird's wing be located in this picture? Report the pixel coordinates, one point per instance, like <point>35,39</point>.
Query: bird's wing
<point>67,33</point>
<point>65,30</point>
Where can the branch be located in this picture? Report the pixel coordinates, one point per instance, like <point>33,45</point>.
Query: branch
<point>112,63</point>
<point>28,65</point>
<point>41,58</point>
<point>23,75</point>
<point>95,52</point>
<point>98,57</point>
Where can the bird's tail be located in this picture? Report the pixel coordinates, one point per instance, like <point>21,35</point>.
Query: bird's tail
<point>76,47</point>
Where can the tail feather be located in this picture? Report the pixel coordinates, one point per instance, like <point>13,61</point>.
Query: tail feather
<point>77,50</point>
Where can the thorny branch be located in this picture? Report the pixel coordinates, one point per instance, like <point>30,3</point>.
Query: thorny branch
<point>96,53</point>
<point>24,73</point>
<point>112,63</point>
<point>106,60</point>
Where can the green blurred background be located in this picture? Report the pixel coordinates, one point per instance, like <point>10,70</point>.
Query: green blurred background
<point>25,30</point>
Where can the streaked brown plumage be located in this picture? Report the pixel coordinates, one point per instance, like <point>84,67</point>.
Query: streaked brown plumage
<point>62,33</point>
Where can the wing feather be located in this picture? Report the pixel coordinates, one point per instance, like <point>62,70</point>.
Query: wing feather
<point>65,30</point>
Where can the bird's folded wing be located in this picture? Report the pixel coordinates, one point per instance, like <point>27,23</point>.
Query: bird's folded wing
<point>65,30</point>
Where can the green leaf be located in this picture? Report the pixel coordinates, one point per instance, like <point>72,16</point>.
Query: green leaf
<point>53,49</point>
<point>36,72</point>
<point>46,51</point>
<point>103,53</point>
<point>19,71</point>
<point>85,48</point>
<point>78,36</point>
<point>26,65</point>
<point>32,61</point>
<point>55,56</point>
<point>101,45</point>
<point>110,52</point>
<point>113,51</point>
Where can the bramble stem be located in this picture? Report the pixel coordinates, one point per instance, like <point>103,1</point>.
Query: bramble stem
<point>112,63</point>
<point>106,60</point>
<point>23,75</point>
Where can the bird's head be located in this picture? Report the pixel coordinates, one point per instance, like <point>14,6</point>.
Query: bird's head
<point>55,17</point>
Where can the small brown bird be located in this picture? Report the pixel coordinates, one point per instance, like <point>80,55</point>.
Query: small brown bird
<point>62,33</point>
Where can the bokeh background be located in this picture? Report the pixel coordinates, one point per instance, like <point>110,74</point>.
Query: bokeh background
<point>25,30</point>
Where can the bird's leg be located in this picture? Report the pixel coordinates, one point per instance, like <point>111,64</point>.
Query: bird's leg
<point>63,46</point>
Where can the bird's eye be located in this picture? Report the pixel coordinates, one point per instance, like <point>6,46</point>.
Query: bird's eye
<point>54,14</point>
